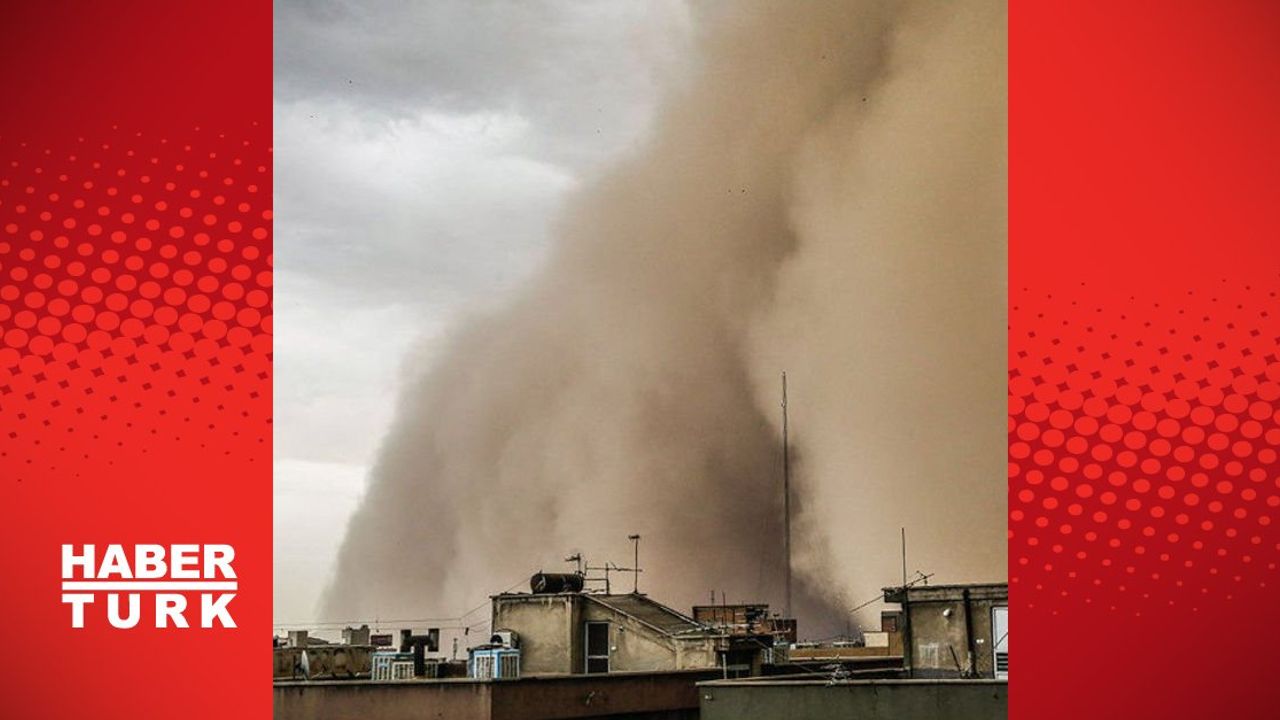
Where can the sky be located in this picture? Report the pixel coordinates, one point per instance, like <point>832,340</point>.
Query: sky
<point>422,153</point>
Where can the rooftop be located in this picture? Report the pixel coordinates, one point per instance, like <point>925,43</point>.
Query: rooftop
<point>947,593</point>
<point>810,680</point>
<point>636,606</point>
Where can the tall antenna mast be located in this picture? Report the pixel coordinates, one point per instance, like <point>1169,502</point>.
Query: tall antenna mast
<point>904,558</point>
<point>635,564</point>
<point>786,495</point>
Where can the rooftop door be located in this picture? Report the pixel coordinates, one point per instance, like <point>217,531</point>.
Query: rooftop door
<point>597,647</point>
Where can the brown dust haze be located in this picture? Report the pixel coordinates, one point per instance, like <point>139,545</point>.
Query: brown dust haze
<point>826,194</point>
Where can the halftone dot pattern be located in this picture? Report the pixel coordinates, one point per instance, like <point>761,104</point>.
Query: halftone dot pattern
<point>135,299</point>
<point>135,337</point>
<point>1143,445</point>
<point>1142,350</point>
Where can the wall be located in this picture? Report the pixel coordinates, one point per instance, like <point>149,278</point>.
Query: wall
<point>632,645</point>
<point>934,635</point>
<point>338,700</point>
<point>696,653</point>
<point>552,637</point>
<point>622,696</point>
<point>550,631</point>
<point>860,700</point>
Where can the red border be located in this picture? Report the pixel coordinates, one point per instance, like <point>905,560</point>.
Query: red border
<point>1143,390</point>
<point>1141,279</point>
<point>135,339</point>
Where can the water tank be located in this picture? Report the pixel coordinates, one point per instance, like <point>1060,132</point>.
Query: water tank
<point>545,583</point>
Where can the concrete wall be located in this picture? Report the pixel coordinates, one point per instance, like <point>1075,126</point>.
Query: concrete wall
<point>358,700</point>
<point>935,634</point>
<point>550,632</point>
<point>621,696</point>
<point>694,654</point>
<point>632,647</point>
<point>636,647</point>
<point>855,700</point>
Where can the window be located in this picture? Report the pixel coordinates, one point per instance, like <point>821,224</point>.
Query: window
<point>1000,641</point>
<point>597,647</point>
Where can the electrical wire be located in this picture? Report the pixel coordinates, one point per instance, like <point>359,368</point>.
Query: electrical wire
<point>459,620</point>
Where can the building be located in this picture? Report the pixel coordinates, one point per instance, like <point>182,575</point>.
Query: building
<point>302,657</point>
<point>321,661</point>
<point>356,636</point>
<point>613,696</point>
<point>818,698</point>
<point>746,620</point>
<point>754,639</point>
<point>557,654</point>
<point>573,631</point>
<point>953,631</point>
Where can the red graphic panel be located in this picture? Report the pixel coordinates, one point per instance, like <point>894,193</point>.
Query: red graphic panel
<point>135,341</point>
<point>1144,359</point>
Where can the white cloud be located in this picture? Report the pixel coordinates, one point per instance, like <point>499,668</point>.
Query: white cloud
<point>410,209</point>
<point>312,503</point>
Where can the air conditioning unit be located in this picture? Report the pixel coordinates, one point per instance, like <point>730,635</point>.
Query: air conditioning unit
<point>389,666</point>
<point>494,663</point>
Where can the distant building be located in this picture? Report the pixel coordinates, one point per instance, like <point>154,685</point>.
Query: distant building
<point>321,661</point>
<point>574,632</point>
<point>754,638</point>
<point>746,619</point>
<point>954,631</point>
<point>356,636</point>
<point>306,658</point>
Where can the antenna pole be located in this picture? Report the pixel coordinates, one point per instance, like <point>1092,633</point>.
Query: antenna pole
<point>635,565</point>
<point>904,558</point>
<point>907,654</point>
<point>786,495</point>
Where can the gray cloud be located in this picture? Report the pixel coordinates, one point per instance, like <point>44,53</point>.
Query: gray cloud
<point>410,209</point>
<point>422,151</point>
<point>578,68</point>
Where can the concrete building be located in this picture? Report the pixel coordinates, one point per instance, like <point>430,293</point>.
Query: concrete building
<point>751,619</point>
<point>618,696</point>
<point>954,631</point>
<point>356,636</point>
<point>754,639</point>
<point>321,661</point>
<point>573,654</point>
<point>810,698</point>
<point>582,632</point>
<point>305,657</point>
